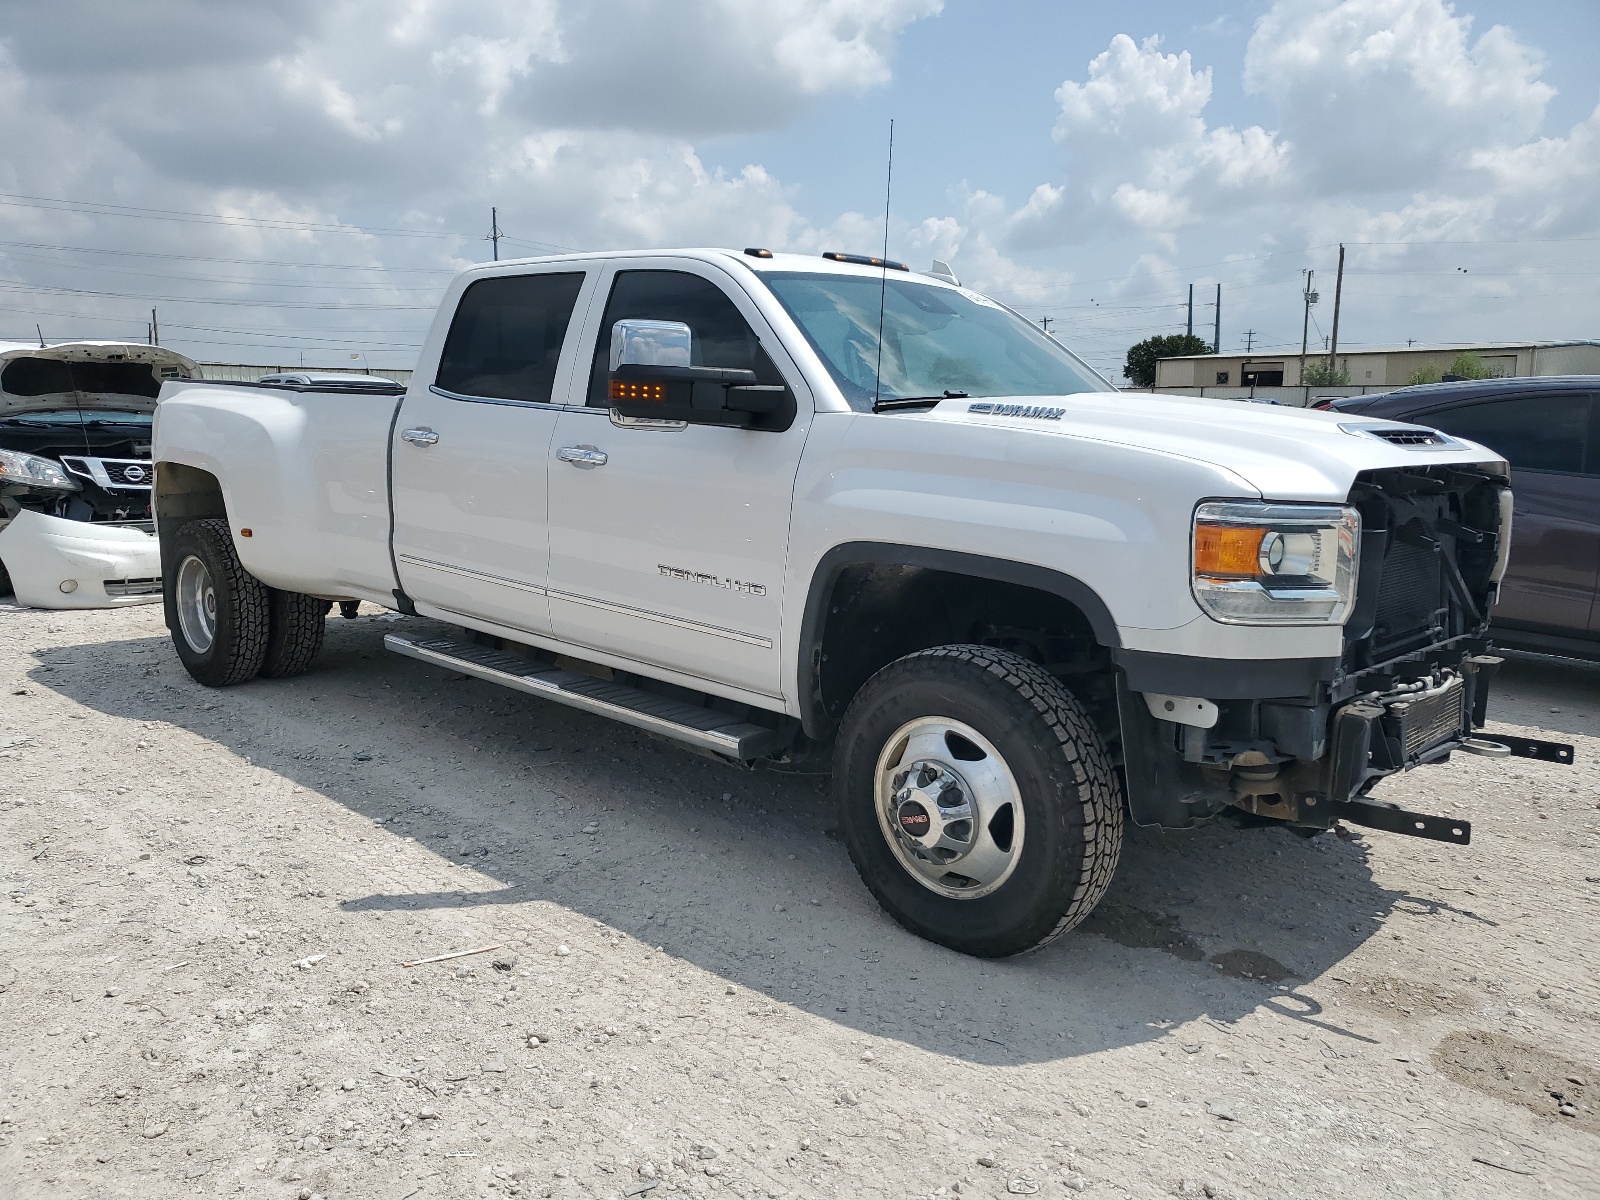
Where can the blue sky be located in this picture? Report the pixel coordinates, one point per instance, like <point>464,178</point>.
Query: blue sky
<point>971,92</point>
<point>337,158</point>
<point>972,102</point>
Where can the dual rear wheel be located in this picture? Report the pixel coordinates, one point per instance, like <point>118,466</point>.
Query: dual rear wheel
<point>227,625</point>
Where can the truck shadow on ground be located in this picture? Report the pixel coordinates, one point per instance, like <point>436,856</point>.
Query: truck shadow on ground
<point>738,872</point>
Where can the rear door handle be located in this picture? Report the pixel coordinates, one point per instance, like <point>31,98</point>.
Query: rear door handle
<point>584,457</point>
<point>419,437</point>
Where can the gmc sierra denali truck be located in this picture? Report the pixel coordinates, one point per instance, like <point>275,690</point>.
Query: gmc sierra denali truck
<point>776,507</point>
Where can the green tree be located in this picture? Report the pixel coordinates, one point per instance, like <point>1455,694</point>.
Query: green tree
<point>1321,373</point>
<point>1140,366</point>
<point>1469,366</point>
<point>1428,374</point>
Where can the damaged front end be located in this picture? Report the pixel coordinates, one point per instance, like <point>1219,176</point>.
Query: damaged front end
<point>1410,688</point>
<point>75,437</point>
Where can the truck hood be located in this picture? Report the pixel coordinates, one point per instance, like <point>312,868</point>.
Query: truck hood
<point>29,387</point>
<point>1284,453</point>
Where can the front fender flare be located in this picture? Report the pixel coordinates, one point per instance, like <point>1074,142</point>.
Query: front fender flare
<point>813,716</point>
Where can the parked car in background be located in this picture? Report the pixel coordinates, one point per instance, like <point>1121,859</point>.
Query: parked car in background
<point>1549,431</point>
<point>75,470</point>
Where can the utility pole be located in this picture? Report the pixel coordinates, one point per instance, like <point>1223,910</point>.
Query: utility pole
<point>1249,340</point>
<point>1338,294</point>
<point>1305,322</point>
<point>494,231</point>
<point>1216,329</point>
<point>1044,323</point>
<point>155,329</point>
<point>1189,329</point>
<point>40,332</point>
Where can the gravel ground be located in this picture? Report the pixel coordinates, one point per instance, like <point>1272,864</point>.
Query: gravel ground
<point>212,895</point>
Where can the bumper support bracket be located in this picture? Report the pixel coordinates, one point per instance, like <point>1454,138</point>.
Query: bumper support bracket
<point>1398,820</point>
<point>1520,747</point>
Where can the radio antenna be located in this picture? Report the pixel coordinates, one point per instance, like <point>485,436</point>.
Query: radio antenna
<point>883,285</point>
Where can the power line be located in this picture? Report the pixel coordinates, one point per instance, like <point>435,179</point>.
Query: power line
<point>12,286</point>
<point>96,208</point>
<point>235,281</point>
<point>251,262</point>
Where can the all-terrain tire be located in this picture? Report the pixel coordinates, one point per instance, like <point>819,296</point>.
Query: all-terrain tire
<point>1071,800</point>
<point>296,625</point>
<point>238,609</point>
<point>5,581</point>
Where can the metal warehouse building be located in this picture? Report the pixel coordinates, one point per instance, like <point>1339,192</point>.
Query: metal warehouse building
<point>1371,368</point>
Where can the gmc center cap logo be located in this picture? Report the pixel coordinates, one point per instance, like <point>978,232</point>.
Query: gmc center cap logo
<point>914,819</point>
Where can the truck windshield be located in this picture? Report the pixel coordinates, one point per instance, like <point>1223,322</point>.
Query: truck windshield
<point>935,340</point>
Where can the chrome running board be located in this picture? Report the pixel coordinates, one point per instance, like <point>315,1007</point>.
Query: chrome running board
<point>703,728</point>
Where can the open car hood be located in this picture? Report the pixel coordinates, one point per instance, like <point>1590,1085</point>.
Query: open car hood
<point>34,379</point>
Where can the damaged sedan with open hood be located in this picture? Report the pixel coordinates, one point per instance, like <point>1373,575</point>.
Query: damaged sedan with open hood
<point>75,471</point>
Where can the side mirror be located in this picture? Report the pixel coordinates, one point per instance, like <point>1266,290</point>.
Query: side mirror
<point>652,376</point>
<point>651,344</point>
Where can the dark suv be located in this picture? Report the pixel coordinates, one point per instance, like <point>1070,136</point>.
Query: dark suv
<point>1549,430</point>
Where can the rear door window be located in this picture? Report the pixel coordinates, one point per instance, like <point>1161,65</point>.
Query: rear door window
<point>1533,433</point>
<point>505,341</point>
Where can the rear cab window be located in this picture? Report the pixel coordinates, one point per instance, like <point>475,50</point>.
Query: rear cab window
<point>506,337</point>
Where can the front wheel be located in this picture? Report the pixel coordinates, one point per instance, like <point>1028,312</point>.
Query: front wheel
<point>976,799</point>
<point>217,611</point>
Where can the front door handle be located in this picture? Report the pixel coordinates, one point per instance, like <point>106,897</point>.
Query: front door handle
<point>583,457</point>
<point>422,436</point>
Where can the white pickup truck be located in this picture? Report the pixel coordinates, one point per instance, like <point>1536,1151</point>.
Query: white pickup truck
<point>775,507</point>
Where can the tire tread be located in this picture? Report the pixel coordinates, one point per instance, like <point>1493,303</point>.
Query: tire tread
<point>297,625</point>
<point>1079,744</point>
<point>241,657</point>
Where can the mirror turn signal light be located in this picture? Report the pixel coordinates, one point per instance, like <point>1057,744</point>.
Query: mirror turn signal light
<point>1230,551</point>
<point>622,389</point>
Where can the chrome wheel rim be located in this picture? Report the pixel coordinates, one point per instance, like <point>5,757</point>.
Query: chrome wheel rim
<point>949,807</point>
<point>197,605</point>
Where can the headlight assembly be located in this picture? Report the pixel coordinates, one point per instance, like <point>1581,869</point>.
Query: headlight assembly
<point>1276,564</point>
<point>32,471</point>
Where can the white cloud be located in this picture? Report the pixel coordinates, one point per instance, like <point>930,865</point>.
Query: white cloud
<point>1139,153</point>
<point>1388,94</point>
<point>1388,126</point>
<point>578,120</point>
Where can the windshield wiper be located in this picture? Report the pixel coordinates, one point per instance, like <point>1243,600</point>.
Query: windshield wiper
<point>896,402</point>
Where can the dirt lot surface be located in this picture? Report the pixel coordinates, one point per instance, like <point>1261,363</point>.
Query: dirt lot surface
<point>211,895</point>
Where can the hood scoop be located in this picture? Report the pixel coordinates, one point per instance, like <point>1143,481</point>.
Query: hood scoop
<point>1412,437</point>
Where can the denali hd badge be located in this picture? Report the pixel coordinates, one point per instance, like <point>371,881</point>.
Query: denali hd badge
<point>1018,410</point>
<point>721,581</point>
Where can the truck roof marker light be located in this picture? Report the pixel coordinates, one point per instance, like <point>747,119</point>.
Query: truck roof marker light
<point>622,389</point>
<point>864,260</point>
<point>758,252</point>
<point>1230,551</point>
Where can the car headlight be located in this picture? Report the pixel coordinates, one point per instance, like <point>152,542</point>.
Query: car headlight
<point>33,471</point>
<point>1276,564</point>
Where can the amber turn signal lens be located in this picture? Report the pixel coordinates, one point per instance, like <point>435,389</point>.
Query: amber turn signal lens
<point>622,389</point>
<point>1230,550</point>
